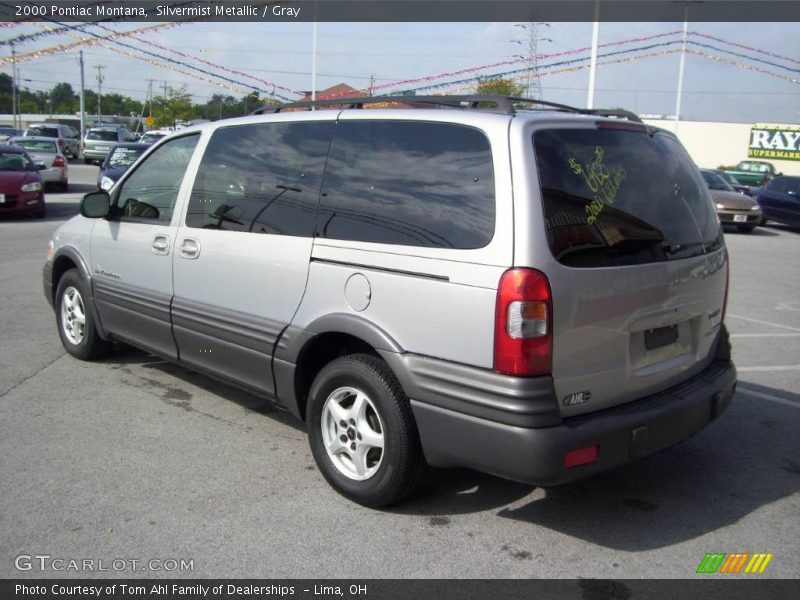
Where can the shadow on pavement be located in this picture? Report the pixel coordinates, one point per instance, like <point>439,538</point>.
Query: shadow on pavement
<point>124,357</point>
<point>743,462</point>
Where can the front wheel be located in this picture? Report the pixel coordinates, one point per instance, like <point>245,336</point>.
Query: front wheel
<point>362,431</point>
<point>746,228</point>
<point>75,319</point>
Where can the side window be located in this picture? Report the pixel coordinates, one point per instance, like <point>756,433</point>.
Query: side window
<point>409,183</point>
<point>152,189</point>
<point>261,178</point>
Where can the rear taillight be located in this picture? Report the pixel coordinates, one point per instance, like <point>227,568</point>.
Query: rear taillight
<point>523,335</point>
<point>58,162</point>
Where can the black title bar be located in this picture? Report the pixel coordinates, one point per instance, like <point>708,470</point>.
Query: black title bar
<point>401,10</point>
<point>707,588</point>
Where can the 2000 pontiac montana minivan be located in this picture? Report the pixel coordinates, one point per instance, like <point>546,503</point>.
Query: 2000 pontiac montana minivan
<point>537,294</point>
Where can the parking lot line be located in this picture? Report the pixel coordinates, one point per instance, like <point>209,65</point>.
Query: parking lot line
<point>765,323</point>
<point>770,368</point>
<point>763,335</point>
<point>743,390</point>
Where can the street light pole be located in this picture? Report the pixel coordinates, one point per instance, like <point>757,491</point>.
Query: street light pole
<point>681,67</point>
<point>593,62</point>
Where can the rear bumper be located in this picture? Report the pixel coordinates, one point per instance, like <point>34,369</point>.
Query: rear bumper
<point>95,154</point>
<point>535,455</point>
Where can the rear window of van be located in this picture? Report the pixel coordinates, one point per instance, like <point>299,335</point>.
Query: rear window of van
<point>619,197</point>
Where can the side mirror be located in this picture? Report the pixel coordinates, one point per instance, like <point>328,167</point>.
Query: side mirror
<point>96,205</point>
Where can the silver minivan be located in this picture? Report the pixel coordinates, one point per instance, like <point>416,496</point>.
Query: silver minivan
<point>99,141</point>
<point>538,294</point>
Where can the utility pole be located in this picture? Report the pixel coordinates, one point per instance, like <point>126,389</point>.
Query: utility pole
<point>150,95</point>
<point>13,86</point>
<point>99,91</point>
<point>533,87</point>
<point>83,124</point>
<point>165,90</point>
<point>371,83</point>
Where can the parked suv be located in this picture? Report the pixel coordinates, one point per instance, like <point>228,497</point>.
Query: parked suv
<point>99,140</point>
<point>537,294</point>
<point>68,137</point>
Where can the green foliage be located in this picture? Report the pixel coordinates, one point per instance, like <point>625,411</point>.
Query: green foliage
<point>177,105</point>
<point>499,87</point>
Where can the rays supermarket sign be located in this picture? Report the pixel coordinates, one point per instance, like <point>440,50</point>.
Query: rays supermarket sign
<point>781,142</point>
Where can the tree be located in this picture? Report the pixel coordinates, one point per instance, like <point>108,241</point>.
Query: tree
<point>65,100</point>
<point>499,87</point>
<point>177,106</point>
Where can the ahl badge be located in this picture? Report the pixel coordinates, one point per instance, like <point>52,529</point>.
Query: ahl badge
<point>577,398</point>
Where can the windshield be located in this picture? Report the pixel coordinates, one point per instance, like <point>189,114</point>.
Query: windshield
<point>728,177</point>
<point>754,167</point>
<point>105,136</point>
<point>14,162</point>
<point>42,131</point>
<point>124,157</point>
<point>618,197</point>
<point>38,146</point>
<point>715,182</point>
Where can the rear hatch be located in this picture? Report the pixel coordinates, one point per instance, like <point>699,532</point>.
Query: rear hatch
<point>636,262</point>
<point>100,140</point>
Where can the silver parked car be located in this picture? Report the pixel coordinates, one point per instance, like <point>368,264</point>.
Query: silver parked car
<point>45,151</point>
<point>537,294</point>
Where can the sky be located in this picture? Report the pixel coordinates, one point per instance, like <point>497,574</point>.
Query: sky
<point>717,85</point>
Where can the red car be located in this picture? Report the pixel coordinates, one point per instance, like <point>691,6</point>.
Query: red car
<point>21,187</point>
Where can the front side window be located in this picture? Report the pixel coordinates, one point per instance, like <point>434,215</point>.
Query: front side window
<point>617,197</point>
<point>409,183</point>
<point>261,178</point>
<point>152,189</point>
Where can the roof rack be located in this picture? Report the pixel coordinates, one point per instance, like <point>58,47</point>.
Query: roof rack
<point>506,104</point>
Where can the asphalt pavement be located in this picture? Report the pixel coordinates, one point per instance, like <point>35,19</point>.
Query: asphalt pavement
<point>135,459</point>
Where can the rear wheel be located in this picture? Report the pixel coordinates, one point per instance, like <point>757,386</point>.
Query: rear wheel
<point>362,431</point>
<point>75,319</point>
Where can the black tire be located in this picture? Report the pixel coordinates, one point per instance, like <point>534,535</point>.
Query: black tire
<point>745,228</point>
<point>87,161</point>
<point>42,212</point>
<point>91,345</point>
<point>63,186</point>
<point>401,461</point>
